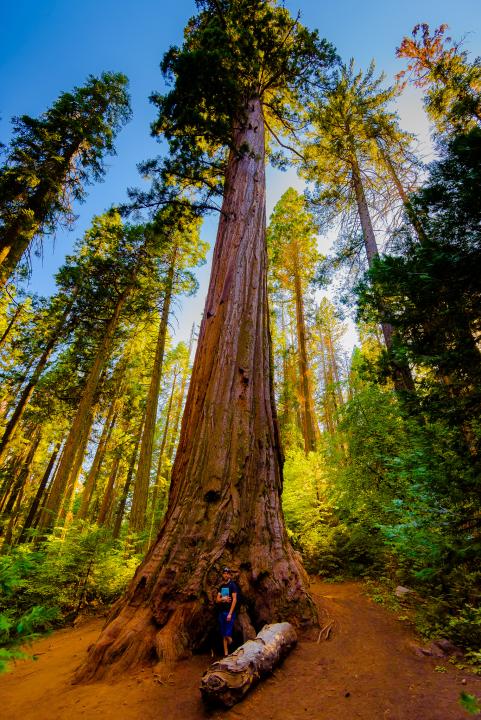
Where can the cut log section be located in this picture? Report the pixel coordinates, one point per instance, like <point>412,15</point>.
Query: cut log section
<point>227,681</point>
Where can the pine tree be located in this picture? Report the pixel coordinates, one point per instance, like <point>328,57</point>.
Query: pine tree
<point>342,162</point>
<point>52,158</point>
<point>451,82</point>
<point>292,243</point>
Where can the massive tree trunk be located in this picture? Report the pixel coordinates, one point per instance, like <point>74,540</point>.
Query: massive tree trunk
<point>225,496</point>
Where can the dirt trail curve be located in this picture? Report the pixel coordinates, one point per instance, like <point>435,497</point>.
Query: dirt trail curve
<point>367,670</point>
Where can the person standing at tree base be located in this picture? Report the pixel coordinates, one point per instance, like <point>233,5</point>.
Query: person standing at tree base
<point>226,602</point>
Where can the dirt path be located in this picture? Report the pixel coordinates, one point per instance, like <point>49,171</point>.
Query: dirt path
<point>368,669</point>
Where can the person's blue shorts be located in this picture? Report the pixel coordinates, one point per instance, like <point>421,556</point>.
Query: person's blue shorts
<point>226,626</point>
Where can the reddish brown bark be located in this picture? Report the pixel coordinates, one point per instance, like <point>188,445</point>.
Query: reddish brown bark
<point>225,497</point>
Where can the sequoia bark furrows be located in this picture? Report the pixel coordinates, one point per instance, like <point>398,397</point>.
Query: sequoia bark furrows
<point>224,503</point>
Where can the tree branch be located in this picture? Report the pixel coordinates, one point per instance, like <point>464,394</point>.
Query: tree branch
<point>286,147</point>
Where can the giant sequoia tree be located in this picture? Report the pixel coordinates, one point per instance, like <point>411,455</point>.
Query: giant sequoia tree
<point>241,68</point>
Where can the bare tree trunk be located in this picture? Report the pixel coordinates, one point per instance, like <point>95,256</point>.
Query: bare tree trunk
<point>403,379</point>
<point>180,404</point>
<point>10,325</point>
<point>11,470</point>
<point>141,487</point>
<point>109,491</point>
<point>309,423</point>
<point>328,423</point>
<point>29,520</point>
<point>225,495</point>
<point>153,511</point>
<point>285,418</point>
<point>128,481</point>
<point>93,473</point>
<point>31,384</point>
<point>414,218</point>
<point>69,492</point>
<point>82,418</point>
<point>17,489</point>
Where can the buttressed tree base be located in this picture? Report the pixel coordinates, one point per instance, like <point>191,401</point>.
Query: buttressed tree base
<point>225,495</point>
<point>225,498</point>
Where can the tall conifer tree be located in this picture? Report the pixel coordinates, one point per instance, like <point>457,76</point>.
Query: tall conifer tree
<point>52,158</point>
<point>241,68</point>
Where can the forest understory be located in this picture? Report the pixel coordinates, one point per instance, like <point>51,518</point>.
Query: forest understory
<point>135,467</point>
<point>367,670</point>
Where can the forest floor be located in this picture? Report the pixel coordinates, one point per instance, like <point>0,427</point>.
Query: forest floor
<point>370,668</point>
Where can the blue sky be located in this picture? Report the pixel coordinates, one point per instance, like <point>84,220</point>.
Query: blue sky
<point>48,46</point>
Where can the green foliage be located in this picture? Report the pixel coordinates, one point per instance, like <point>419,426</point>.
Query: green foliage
<point>470,703</point>
<point>452,84</point>
<point>84,569</point>
<point>354,135</point>
<point>432,293</point>
<point>18,627</point>
<point>465,627</point>
<point>233,51</point>
<point>52,158</point>
<point>292,242</point>
<point>331,543</point>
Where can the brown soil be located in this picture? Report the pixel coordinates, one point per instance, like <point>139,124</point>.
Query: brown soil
<point>368,669</point>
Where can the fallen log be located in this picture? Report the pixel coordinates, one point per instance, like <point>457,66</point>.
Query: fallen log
<point>228,680</point>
